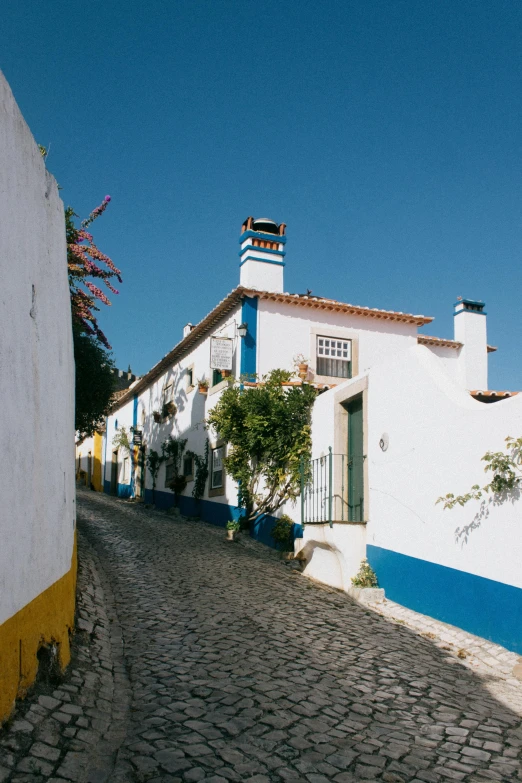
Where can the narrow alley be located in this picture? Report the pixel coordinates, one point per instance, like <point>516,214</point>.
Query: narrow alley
<point>219,663</point>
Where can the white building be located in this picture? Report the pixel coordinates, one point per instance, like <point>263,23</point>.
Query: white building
<point>403,418</point>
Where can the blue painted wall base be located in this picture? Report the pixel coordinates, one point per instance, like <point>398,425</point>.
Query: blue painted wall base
<point>217,514</point>
<point>480,606</point>
<point>122,490</point>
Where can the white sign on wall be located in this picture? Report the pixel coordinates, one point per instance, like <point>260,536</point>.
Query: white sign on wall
<point>221,350</point>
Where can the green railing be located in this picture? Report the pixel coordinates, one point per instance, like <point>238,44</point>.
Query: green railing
<point>330,491</point>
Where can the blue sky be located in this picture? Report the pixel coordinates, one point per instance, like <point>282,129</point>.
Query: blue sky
<point>386,134</point>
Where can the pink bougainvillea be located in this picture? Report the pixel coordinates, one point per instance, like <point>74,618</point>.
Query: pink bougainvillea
<point>84,261</point>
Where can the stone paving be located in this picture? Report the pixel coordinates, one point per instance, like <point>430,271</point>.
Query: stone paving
<point>208,660</point>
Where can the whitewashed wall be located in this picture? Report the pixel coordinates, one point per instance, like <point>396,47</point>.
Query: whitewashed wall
<point>37,375</point>
<point>192,408</point>
<point>437,435</point>
<point>285,330</point>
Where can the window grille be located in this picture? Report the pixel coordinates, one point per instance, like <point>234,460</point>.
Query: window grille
<point>334,357</point>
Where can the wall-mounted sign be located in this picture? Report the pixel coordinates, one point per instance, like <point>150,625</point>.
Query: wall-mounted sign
<point>221,350</point>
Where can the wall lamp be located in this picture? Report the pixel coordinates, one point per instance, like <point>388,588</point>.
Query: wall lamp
<point>242,329</point>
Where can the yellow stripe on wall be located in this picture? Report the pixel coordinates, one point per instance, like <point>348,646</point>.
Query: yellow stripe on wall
<point>48,618</point>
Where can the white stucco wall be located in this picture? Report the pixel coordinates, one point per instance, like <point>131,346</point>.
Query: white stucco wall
<point>192,409</point>
<point>437,435</point>
<point>286,330</point>
<point>37,375</point>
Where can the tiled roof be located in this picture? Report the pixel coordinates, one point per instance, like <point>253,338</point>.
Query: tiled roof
<point>426,339</point>
<point>495,394</point>
<point>332,305</point>
<point>233,299</point>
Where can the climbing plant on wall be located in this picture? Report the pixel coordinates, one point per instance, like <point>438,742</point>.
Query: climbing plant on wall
<point>172,450</point>
<point>507,476</point>
<point>153,460</point>
<point>201,475</point>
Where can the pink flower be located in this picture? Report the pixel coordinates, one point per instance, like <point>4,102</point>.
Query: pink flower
<point>107,198</point>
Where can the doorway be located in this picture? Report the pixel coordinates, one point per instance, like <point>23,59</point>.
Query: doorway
<point>356,459</point>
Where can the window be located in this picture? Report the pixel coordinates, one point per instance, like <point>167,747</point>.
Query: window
<point>334,357</point>
<point>168,393</point>
<point>126,470</point>
<point>187,466</point>
<point>169,471</point>
<point>217,467</point>
<point>217,377</point>
<point>190,377</point>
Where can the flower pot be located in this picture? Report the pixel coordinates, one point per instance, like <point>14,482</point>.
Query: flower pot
<point>202,389</point>
<point>231,535</point>
<point>226,373</point>
<point>156,416</point>
<point>170,408</point>
<point>303,371</point>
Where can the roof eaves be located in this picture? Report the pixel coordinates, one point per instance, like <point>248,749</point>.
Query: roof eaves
<point>441,342</point>
<point>320,303</point>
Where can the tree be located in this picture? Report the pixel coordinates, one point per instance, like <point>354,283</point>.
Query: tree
<point>84,261</point>
<point>94,382</point>
<point>507,476</point>
<point>268,429</point>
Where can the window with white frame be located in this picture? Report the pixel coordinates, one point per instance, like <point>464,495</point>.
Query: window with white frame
<point>217,467</point>
<point>334,357</point>
<point>169,471</point>
<point>168,393</point>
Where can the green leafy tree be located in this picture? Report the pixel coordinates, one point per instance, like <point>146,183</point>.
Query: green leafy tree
<point>94,382</point>
<point>507,475</point>
<point>153,461</point>
<point>268,429</point>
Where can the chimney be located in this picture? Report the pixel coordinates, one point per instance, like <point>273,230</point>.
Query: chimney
<point>470,330</point>
<point>262,254</point>
<point>187,329</point>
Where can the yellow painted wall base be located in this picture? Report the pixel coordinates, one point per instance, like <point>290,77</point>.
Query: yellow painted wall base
<point>47,618</point>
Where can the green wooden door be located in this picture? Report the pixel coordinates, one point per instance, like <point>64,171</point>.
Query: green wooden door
<point>355,461</point>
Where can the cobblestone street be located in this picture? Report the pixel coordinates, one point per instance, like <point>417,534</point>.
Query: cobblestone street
<point>208,660</point>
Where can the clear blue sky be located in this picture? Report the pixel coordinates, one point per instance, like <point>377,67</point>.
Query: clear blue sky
<point>387,134</point>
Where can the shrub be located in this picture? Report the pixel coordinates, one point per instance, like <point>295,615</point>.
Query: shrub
<point>282,533</point>
<point>366,576</point>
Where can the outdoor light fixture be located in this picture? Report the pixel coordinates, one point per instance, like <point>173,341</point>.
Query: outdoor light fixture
<point>242,329</point>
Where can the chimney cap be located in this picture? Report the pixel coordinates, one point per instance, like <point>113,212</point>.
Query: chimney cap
<point>470,305</point>
<point>266,225</point>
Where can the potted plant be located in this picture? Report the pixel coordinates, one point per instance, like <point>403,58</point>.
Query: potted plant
<point>301,363</point>
<point>203,385</point>
<point>169,409</point>
<point>156,415</point>
<point>233,528</point>
<point>226,373</point>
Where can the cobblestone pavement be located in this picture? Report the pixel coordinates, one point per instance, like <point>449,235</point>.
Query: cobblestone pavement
<point>219,663</point>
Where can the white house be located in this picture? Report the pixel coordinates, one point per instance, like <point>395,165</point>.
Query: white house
<point>403,420</point>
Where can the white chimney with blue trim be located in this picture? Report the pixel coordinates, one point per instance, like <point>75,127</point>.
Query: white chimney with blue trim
<point>262,254</point>
<point>470,330</point>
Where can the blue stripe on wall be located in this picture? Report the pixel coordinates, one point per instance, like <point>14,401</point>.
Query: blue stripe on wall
<point>107,487</point>
<point>217,514</point>
<point>481,606</point>
<point>248,367</point>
